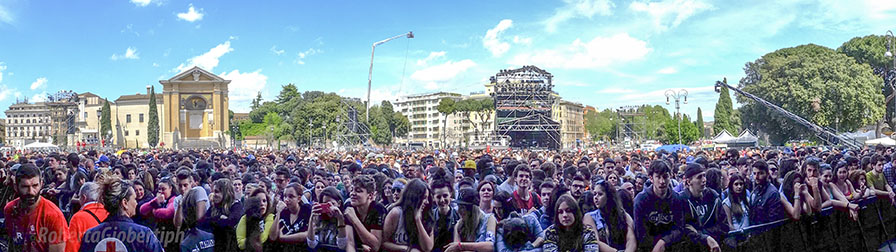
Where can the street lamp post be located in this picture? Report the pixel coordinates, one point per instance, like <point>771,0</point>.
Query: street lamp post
<point>677,96</point>
<point>409,35</point>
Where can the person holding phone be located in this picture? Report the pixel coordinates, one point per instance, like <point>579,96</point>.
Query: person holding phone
<point>326,226</point>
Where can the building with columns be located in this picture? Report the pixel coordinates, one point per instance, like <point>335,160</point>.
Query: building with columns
<point>195,110</point>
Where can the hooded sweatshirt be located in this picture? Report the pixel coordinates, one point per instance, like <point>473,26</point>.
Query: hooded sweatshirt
<point>658,217</point>
<point>706,215</point>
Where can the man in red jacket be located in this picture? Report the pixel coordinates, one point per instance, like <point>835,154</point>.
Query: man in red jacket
<point>90,216</point>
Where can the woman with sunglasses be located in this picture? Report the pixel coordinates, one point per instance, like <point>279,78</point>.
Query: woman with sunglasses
<point>120,200</point>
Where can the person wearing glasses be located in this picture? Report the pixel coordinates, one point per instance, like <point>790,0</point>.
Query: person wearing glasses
<point>876,180</point>
<point>118,230</point>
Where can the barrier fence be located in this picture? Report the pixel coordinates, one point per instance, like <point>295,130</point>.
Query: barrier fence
<point>829,230</point>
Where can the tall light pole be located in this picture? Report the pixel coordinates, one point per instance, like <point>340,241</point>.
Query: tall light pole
<point>677,96</point>
<point>370,74</point>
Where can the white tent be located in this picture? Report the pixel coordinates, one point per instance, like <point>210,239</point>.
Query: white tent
<point>41,147</point>
<point>723,137</point>
<point>885,141</point>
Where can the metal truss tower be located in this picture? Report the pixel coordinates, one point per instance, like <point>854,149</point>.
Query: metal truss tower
<point>628,127</point>
<point>523,102</point>
<point>350,131</point>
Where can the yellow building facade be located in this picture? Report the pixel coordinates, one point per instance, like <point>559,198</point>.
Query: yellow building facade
<point>195,109</point>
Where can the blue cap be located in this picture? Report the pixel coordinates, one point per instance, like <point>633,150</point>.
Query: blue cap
<point>104,158</point>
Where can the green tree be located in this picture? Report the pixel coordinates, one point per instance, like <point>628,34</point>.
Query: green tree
<point>257,101</point>
<point>602,125</point>
<point>652,122</point>
<point>814,82</point>
<point>724,112</point>
<point>152,131</point>
<point>402,125</point>
<point>689,131</point>
<point>699,123</point>
<point>446,107</point>
<point>871,50</point>
<point>106,121</point>
<point>482,111</point>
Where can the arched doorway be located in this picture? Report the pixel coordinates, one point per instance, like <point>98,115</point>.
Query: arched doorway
<point>195,116</point>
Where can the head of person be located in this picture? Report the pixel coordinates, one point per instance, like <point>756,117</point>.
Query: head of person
<point>138,188</point>
<point>857,178</point>
<point>660,173</point>
<point>468,208</point>
<point>167,187</point>
<point>118,196</point>
<point>827,173</point>
<point>486,190</point>
<point>363,190</point>
<point>878,162</point>
<point>790,179</point>
<point>184,179</point>
<point>544,192</point>
<point>523,176</point>
<point>629,188</point>
<point>568,220</point>
<point>810,168</point>
<point>223,194</point>
<point>841,172</point>
<point>695,177</point>
<point>760,173</point>
<point>292,196</point>
<point>282,178</point>
<point>28,184</point>
<point>188,204</point>
<point>442,192</point>
<point>237,183</point>
<point>502,205</point>
<point>608,201</point>
<point>640,181</point>
<point>89,192</point>
<point>515,232</point>
<point>578,186</point>
<point>332,196</point>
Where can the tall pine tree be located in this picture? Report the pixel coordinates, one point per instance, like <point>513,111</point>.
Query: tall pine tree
<point>152,131</point>
<point>723,112</point>
<point>106,121</point>
<point>699,122</point>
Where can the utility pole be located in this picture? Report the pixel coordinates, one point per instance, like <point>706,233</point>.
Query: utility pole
<point>370,74</point>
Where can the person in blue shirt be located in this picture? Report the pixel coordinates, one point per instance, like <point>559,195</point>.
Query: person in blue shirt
<point>118,230</point>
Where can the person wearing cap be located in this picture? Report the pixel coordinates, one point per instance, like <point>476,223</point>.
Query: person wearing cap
<point>705,213</point>
<point>475,231</point>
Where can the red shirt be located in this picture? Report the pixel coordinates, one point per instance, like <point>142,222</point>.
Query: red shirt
<point>81,222</point>
<point>524,205</point>
<point>38,229</point>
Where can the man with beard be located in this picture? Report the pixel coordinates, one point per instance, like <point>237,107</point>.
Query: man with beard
<point>34,223</point>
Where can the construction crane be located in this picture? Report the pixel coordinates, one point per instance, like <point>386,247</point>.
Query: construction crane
<point>829,136</point>
<point>370,74</point>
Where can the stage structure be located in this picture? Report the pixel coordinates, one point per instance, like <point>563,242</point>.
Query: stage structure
<point>350,131</point>
<point>63,106</point>
<point>523,102</point>
<point>629,128</point>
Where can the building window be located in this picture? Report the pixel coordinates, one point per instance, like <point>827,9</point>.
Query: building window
<point>85,115</point>
<point>125,133</point>
<point>128,118</point>
<point>137,132</point>
<point>141,118</point>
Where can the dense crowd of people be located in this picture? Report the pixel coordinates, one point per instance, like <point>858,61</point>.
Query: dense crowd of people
<point>506,200</point>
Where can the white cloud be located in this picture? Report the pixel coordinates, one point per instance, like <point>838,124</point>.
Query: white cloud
<point>191,15</point>
<point>2,68</point>
<point>155,64</point>
<point>670,13</point>
<point>5,15</point>
<point>5,92</point>
<point>615,90</point>
<point>208,60</point>
<point>277,52</point>
<point>522,40</point>
<point>130,53</point>
<point>141,3</point>
<point>577,9</point>
<point>668,70</point>
<point>301,55</point>
<point>492,42</point>
<point>39,83</point>
<point>599,52</point>
<point>432,56</point>
<point>41,97</point>
<point>243,88</point>
<point>433,76</point>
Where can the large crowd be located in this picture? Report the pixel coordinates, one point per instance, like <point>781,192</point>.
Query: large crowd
<point>500,200</point>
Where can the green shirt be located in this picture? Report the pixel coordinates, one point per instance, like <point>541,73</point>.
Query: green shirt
<point>878,182</point>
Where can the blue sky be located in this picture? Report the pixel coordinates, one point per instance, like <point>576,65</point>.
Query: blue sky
<point>603,53</point>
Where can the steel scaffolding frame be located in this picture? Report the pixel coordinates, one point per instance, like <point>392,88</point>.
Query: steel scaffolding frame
<point>524,101</point>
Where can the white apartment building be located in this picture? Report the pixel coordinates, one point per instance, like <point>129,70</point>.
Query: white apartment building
<point>27,123</point>
<point>426,121</point>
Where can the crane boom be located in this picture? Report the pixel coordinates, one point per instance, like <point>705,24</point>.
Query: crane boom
<point>825,134</point>
<point>370,73</point>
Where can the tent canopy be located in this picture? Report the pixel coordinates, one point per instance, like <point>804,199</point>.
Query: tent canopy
<point>673,148</point>
<point>36,145</point>
<point>885,141</point>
